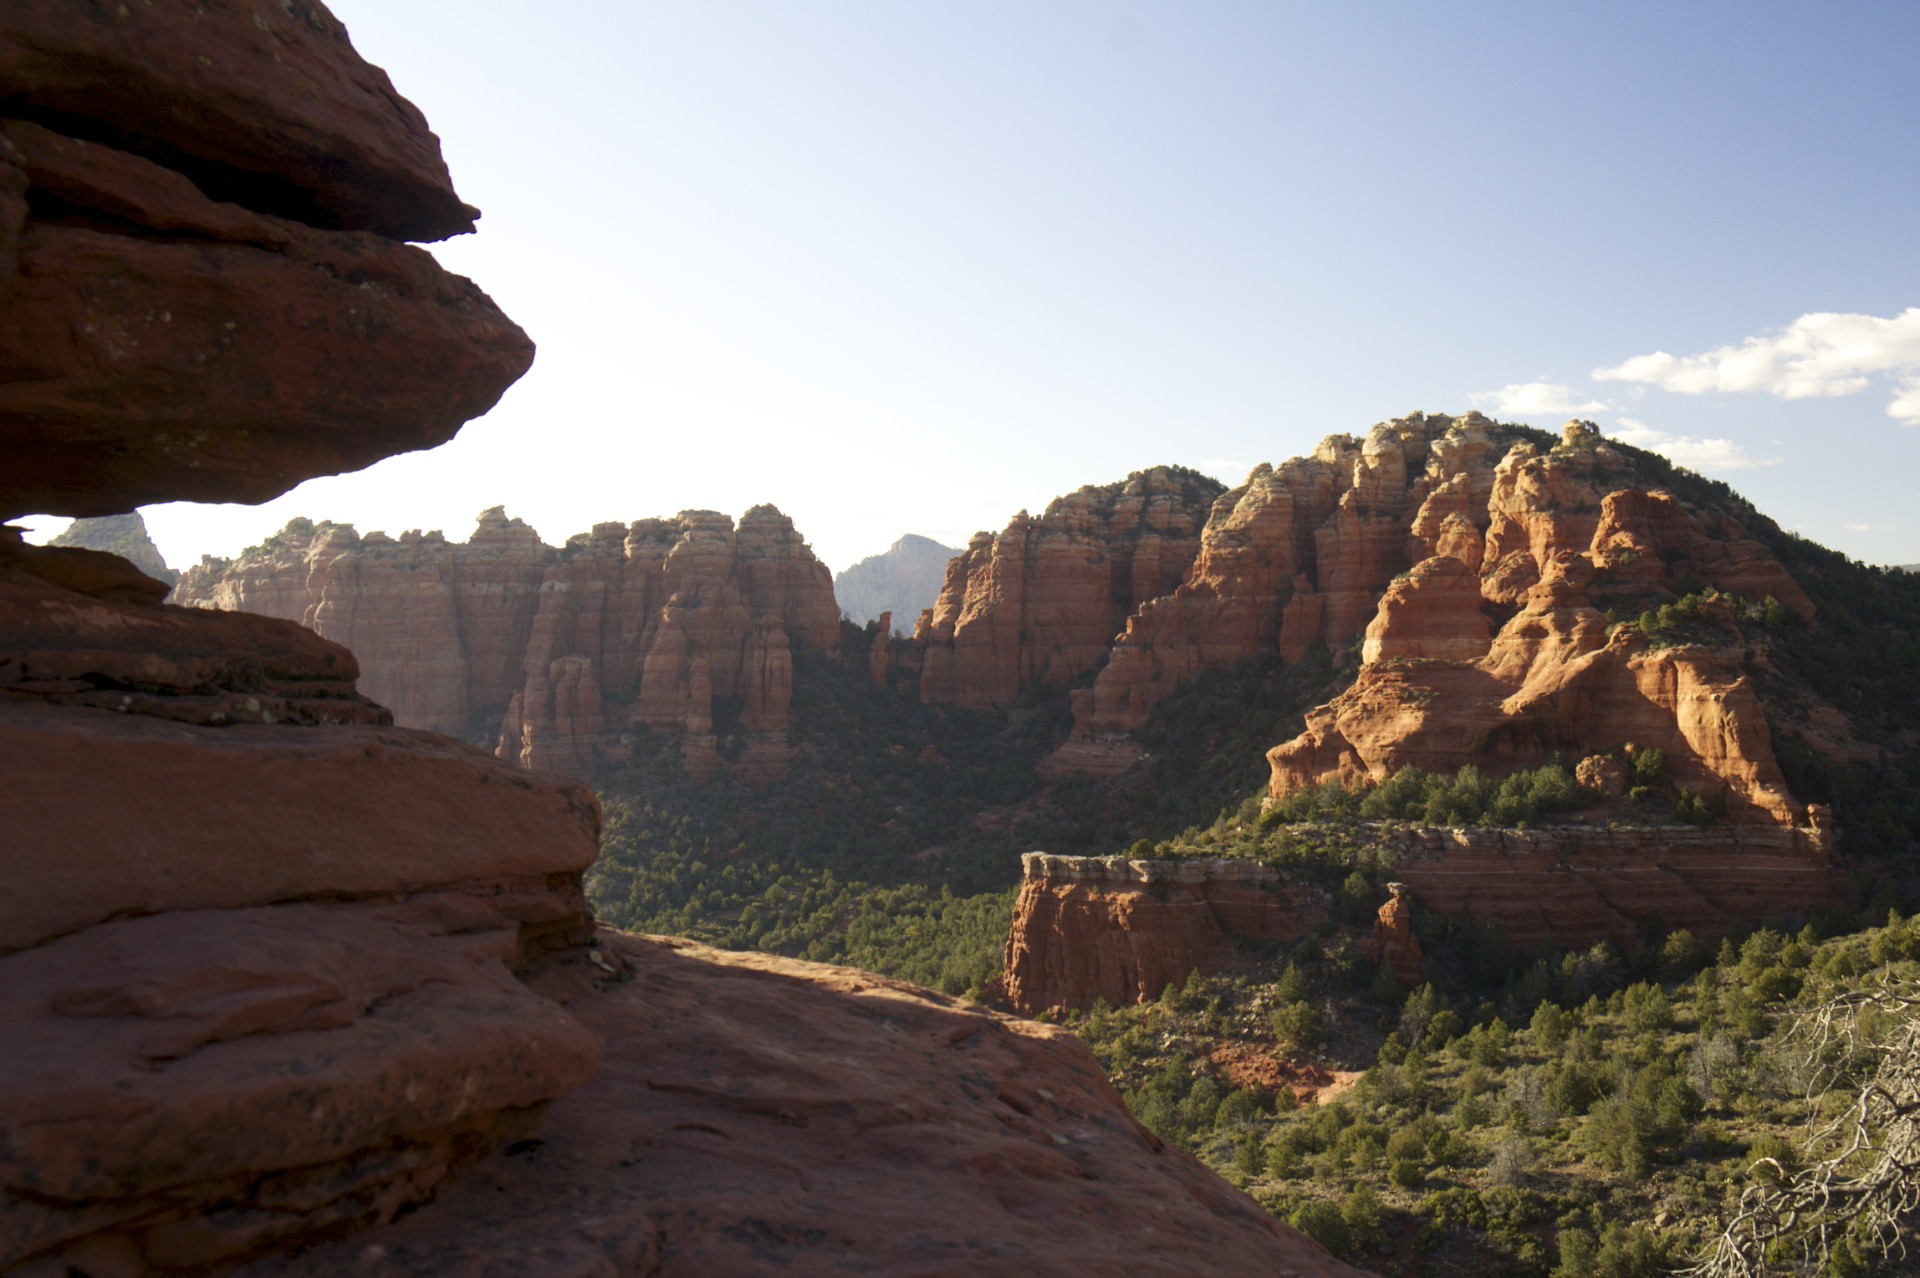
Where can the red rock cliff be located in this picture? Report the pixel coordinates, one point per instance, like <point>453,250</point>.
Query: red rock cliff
<point>553,655</point>
<point>1091,928</point>
<point>1039,604</point>
<point>1574,885</point>
<point>647,625</point>
<point>1298,556</point>
<point>1442,686</point>
<point>270,991</point>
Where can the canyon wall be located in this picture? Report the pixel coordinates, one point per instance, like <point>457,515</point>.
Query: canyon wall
<point>1574,885</point>
<point>555,656</point>
<point>1297,557</point>
<point>1494,650</point>
<point>1038,605</point>
<point>1119,930</point>
<point>1108,928</point>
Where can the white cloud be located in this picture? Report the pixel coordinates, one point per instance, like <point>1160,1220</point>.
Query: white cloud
<point>1823,354</point>
<point>1696,452</point>
<point>1906,405</point>
<point>1858,528</point>
<point>1227,470</point>
<point>1536,399</point>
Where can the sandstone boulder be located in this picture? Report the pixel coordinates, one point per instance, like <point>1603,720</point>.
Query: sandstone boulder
<point>213,241</point>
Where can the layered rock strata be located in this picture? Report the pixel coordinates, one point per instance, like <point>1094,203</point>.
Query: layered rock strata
<point>1108,928</point>
<point>210,289</point>
<point>911,1134</point>
<point>554,656</point>
<point>1574,885</point>
<point>1494,650</point>
<point>261,952</point>
<point>1039,604</point>
<point>1297,557</point>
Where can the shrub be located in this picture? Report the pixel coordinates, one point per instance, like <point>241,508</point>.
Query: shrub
<point>1360,1212</point>
<point>1297,1025</point>
<point>1323,1223</point>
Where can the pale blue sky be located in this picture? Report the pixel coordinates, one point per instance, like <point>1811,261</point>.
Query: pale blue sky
<point>909,267</point>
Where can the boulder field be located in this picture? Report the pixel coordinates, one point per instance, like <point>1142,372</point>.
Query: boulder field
<point>274,971</point>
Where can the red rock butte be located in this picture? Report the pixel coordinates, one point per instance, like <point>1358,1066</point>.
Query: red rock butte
<point>274,972</point>
<point>554,657</point>
<point>1442,686</point>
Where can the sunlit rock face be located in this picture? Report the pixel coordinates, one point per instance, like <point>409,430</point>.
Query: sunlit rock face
<point>1297,557</point>
<point>1038,605</point>
<point>1494,651</point>
<point>1090,929</point>
<point>555,656</point>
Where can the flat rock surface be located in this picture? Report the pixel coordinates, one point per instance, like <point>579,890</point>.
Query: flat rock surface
<point>119,814</point>
<point>758,1115</point>
<point>184,1089</point>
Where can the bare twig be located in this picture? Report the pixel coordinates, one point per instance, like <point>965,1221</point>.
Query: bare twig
<point>1864,1176</point>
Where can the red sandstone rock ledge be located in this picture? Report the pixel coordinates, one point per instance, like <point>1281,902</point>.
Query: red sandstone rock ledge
<point>756,1115</point>
<point>1089,928</point>
<point>1575,885</point>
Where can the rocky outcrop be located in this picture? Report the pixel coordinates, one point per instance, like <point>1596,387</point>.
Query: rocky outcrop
<point>440,628</point>
<point>1039,604</point>
<point>122,535</point>
<point>1106,928</point>
<point>211,291</point>
<point>671,616</point>
<point>1574,885</point>
<point>904,580</point>
<point>1442,687</point>
<point>880,652</point>
<point>1298,556</point>
<point>910,1134</point>
<point>556,656</point>
<point>1393,943</point>
<point>261,951</point>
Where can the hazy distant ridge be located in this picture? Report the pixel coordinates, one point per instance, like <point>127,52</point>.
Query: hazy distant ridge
<point>904,580</point>
<point>122,535</point>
